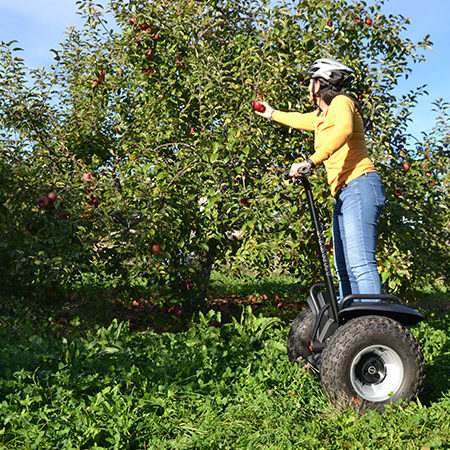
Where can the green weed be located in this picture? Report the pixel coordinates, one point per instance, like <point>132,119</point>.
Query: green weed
<point>228,386</point>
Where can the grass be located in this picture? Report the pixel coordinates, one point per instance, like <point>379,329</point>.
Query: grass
<point>217,384</point>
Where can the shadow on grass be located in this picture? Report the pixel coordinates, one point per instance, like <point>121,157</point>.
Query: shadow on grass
<point>437,381</point>
<point>93,306</point>
<point>436,344</point>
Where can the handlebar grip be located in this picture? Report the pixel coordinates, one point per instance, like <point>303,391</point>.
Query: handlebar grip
<point>303,171</point>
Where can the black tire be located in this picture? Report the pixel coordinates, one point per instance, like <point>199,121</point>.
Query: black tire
<point>300,336</point>
<point>371,362</point>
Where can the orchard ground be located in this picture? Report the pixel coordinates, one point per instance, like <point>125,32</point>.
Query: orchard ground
<point>97,306</point>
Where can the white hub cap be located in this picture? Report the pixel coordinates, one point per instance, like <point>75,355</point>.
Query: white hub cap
<point>376,373</point>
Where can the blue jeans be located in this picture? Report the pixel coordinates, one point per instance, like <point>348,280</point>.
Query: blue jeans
<point>356,211</point>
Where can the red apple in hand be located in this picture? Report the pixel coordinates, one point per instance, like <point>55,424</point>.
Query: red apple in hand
<point>258,106</point>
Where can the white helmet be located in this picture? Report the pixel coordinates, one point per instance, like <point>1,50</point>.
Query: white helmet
<point>330,71</point>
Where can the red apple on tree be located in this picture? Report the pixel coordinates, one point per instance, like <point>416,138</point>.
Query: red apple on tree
<point>87,176</point>
<point>244,202</point>
<point>52,196</point>
<point>156,248</point>
<point>406,166</point>
<point>42,201</point>
<point>93,202</point>
<point>368,22</point>
<point>177,310</point>
<point>144,27</point>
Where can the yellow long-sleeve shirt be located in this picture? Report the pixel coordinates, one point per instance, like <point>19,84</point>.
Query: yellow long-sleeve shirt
<point>338,140</point>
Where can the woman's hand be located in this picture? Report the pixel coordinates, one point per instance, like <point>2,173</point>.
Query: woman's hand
<point>267,113</point>
<point>294,169</point>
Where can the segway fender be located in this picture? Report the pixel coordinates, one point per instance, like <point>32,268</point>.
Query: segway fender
<point>314,305</point>
<point>406,316</point>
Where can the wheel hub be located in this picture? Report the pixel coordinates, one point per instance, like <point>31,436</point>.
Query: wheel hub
<point>371,370</point>
<point>376,373</point>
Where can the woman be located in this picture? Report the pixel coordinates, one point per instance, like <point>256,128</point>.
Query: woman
<point>358,190</point>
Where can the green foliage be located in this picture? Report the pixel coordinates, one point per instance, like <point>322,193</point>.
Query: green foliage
<point>153,99</point>
<point>210,387</point>
<point>415,227</point>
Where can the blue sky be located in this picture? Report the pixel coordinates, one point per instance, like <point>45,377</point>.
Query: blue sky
<point>39,25</point>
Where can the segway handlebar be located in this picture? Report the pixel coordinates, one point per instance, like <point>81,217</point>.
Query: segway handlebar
<point>303,172</point>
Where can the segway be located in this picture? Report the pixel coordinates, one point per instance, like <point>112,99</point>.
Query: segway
<point>363,351</point>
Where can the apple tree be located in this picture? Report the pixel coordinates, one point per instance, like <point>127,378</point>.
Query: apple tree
<point>144,133</point>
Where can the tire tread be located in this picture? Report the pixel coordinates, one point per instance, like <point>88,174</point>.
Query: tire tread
<point>343,342</point>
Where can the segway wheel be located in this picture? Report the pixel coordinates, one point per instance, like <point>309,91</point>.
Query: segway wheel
<point>371,362</point>
<point>299,336</point>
